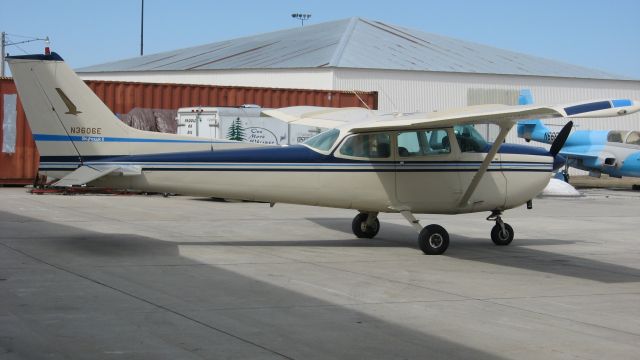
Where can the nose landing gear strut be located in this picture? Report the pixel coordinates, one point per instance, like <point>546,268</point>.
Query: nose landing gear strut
<point>501,233</point>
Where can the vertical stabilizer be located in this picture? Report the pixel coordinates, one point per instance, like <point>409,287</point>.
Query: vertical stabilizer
<point>532,129</point>
<point>69,122</point>
<point>65,116</point>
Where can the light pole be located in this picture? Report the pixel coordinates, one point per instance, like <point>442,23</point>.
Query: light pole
<point>142,29</point>
<point>301,17</point>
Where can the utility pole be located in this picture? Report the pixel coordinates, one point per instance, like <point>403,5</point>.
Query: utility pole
<point>2,55</point>
<point>142,29</point>
<point>4,43</point>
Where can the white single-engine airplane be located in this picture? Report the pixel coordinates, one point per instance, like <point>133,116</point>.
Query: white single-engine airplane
<point>373,162</point>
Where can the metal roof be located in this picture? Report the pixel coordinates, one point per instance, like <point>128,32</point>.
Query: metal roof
<point>352,43</point>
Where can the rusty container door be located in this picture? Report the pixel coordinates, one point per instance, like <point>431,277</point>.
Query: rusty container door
<point>19,163</point>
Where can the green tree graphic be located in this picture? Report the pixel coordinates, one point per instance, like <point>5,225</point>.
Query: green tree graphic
<point>236,131</point>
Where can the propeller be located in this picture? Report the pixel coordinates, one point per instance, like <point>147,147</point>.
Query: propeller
<point>558,143</point>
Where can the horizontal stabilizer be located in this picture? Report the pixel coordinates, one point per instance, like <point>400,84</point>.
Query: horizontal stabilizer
<point>86,174</point>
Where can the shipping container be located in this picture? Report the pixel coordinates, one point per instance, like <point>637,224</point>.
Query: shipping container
<point>19,163</point>
<point>18,155</point>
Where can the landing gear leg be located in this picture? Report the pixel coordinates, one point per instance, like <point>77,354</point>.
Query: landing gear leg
<point>501,233</point>
<point>432,239</point>
<point>565,172</point>
<point>366,225</point>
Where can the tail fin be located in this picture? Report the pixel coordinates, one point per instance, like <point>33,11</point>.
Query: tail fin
<point>68,120</point>
<point>532,129</point>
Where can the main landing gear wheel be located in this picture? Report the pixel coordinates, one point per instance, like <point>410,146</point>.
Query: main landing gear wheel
<point>433,240</point>
<point>365,230</point>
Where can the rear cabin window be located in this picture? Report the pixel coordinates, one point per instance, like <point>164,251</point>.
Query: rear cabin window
<point>423,142</point>
<point>367,146</point>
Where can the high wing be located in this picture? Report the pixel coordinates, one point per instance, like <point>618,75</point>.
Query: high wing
<point>324,117</point>
<point>362,120</point>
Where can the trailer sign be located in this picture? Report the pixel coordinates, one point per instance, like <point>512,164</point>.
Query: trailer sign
<point>241,124</point>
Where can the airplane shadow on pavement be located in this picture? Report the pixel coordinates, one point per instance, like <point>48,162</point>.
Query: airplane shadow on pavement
<point>67,290</point>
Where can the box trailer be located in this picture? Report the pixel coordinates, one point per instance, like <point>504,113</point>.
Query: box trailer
<point>245,123</point>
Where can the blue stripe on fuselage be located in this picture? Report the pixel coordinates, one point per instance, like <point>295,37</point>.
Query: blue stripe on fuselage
<point>100,138</point>
<point>523,150</point>
<point>290,154</point>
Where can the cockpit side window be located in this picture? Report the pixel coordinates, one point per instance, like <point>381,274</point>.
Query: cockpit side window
<point>469,139</point>
<point>423,143</point>
<point>633,138</point>
<point>367,146</point>
<point>615,136</point>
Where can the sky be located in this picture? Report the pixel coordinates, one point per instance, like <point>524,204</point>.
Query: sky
<point>603,35</point>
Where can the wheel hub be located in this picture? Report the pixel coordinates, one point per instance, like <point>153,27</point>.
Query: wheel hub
<point>435,240</point>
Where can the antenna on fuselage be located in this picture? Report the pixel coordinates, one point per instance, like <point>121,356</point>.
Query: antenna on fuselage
<point>359,98</point>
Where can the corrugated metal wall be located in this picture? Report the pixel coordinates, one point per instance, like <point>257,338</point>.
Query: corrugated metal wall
<point>121,97</point>
<point>21,166</point>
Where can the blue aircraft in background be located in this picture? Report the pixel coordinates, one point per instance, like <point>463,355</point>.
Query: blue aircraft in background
<point>613,152</point>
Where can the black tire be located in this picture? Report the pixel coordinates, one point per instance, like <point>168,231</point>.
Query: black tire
<point>360,228</point>
<point>499,238</point>
<point>433,240</point>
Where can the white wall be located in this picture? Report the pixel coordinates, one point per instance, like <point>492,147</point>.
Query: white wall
<point>428,91</point>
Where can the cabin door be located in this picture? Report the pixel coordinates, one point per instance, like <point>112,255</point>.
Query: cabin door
<point>427,178</point>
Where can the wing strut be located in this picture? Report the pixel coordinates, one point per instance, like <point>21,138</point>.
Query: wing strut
<point>504,130</point>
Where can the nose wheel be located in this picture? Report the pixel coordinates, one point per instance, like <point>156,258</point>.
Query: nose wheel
<point>501,233</point>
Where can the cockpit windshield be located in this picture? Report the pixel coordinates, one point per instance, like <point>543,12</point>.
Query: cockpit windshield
<point>323,141</point>
<point>469,138</point>
<point>616,136</point>
<point>633,138</point>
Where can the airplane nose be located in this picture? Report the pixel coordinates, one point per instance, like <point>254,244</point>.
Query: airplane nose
<point>558,161</point>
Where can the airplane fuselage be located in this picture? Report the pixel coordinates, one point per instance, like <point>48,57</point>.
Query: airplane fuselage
<point>301,175</point>
<point>603,152</point>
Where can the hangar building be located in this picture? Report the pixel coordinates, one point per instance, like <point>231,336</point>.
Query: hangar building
<point>411,70</point>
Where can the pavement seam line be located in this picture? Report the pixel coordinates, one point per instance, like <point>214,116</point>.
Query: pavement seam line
<point>201,323</point>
